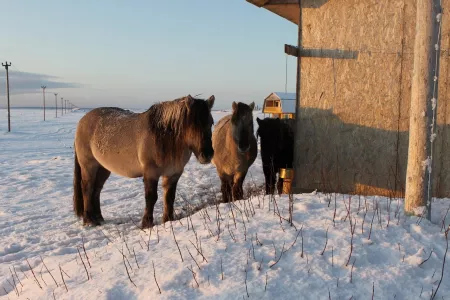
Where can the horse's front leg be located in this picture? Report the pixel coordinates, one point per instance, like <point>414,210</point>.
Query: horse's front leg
<point>238,190</point>
<point>151,195</point>
<point>169,187</point>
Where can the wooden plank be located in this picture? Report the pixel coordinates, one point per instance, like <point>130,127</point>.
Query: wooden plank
<point>321,53</point>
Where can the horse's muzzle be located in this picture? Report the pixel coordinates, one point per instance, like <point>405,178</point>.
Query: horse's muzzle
<point>205,158</point>
<point>243,150</point>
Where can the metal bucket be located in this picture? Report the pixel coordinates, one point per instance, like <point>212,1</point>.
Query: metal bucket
<point>287,174</point>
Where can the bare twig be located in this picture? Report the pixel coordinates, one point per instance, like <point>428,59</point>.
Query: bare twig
<point>48,271</point>
<point>37,281</point>
<point>62,277</point>
<point>265,287</point>
<point>431,252</point>
<point>199,252</point>
<point>371,224</point>
<point>351,240</point>
<point>149,236</point>
<point>443,219</point>
<point>281,254</point>
<point>22,272</point>
<point>126,268</point>
<point>301,232</point>
<point>176,242</point>
<point>257,241</point>
<point>154,275</point>
<point>326,242</point>
<point>332,256</point>
<point>17,276</point>
<point>135,258</point>
<point>84,263</point>
<point>443,264</point>
<point>351,271</point>
<point>295,240</point>
<point>137,226</point>
<point>221,267</point>
<point>246,289</point>
<point>193,275</point>
<point>193,258</point>
<point>84,249</point>
<point>14,283</point>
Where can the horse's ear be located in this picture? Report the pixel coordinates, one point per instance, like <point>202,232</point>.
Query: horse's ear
<point>211,102</point>
<point>252,105</point>
<point>258,120</point>
<point>189,101</point>
<point>234,106</point>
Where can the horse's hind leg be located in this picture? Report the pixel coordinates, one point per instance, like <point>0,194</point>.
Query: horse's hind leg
<point>280,185</point>
<point>151,196</point>
<point>102,176</point>
<point>170,186</point>
<point>270,179</point>
<point>88,175</point>
<point>238,181</point>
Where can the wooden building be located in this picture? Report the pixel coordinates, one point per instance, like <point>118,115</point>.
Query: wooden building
<point>280,105</point>
<point>354,86</point>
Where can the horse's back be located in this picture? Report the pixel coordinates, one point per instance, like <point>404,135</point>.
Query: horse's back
<point>108,135</point>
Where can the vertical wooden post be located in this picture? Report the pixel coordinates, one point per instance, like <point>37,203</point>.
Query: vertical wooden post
<point>62,106</point>
<point>296,162</point>
<point>6,65</point>
<point>43,94</point>
<point>418,189</point>
<point>56,104</point>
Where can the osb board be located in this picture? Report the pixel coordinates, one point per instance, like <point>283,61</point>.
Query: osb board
<point>355,113</point>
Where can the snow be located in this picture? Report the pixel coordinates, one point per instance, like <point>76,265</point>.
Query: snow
<point>244,241</point>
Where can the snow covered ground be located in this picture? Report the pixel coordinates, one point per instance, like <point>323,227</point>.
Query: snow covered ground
<point>221,251</point>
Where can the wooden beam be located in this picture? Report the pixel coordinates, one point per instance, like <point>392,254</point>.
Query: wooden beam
<point>321,53</point>
<point>297,126</point>
<point>422,121</point>
<point>304,4</point>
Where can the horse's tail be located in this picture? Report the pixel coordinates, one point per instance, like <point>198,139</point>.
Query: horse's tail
<point>78,205</point>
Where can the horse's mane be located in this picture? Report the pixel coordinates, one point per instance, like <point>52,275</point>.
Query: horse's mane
<point>168,117</point>
<point>169,120</point>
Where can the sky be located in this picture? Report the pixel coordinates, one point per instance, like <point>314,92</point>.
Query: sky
<point>135,53</point>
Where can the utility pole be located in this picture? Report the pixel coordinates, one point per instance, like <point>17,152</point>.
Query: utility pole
<point>62,106</point>
<point>43,87</point>
<point>422,122</point>
<point>56,104</point>
<point>6,65</point>
<point>65,106</point>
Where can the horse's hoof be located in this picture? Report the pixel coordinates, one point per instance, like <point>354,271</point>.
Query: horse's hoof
<point>100,218</point>
<point>90,222</point>
<point>166,218</point>
<point>147,222</point>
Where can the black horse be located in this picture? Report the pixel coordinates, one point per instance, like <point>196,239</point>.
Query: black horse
<point>277,149</point>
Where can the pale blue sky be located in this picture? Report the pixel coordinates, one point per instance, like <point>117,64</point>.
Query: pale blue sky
<point>134,53</point>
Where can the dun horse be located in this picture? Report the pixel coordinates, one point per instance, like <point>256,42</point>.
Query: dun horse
<point>277,150</point>
<point>155,143</point>
<point>235,149</point>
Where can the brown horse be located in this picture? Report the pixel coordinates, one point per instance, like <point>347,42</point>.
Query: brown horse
<point>235,149</point>
<point>155,143</point>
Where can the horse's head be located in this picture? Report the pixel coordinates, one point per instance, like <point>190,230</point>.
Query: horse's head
<point>270,133</point>
<point>198,128</point>
<point>242,125</point>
